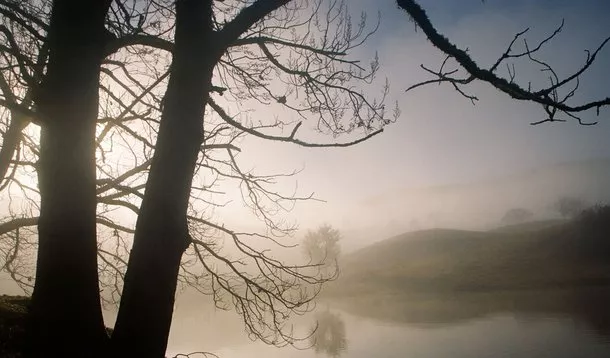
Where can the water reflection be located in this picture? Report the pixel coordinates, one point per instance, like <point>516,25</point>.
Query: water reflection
<point>563,323</point>
<point>583,305</point>
<point>329,334</point>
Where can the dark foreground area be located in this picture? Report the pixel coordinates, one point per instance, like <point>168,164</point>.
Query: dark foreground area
<point>12,325</point>
<point>13,311</point>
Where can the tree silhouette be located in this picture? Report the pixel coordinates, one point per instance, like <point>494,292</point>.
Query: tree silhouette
<point>516,216</point>
<point>160,68</point>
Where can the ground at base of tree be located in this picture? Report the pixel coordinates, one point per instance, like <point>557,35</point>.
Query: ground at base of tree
<point>13,310</point>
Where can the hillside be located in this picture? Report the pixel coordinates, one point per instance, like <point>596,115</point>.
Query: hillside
<point>572,254</point>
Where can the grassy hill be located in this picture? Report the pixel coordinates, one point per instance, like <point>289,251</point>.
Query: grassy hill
<point>532,256</point>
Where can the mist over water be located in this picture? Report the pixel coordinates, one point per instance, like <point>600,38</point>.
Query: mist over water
<point>431,335</point>
<point>556,322</point>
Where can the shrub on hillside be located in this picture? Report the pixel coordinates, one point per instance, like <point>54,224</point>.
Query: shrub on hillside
<point>517,216</point>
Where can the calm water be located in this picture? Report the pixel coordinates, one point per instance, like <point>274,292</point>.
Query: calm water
<point>519,334</point>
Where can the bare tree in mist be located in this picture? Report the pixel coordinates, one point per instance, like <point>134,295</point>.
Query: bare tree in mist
<point>51,63</point>
<point>135,112</point>
<point>321,247</point>
<point>517,216</point>
<point>458,69</point>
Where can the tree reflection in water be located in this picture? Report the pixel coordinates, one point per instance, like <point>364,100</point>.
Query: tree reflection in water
<point>329,334</point>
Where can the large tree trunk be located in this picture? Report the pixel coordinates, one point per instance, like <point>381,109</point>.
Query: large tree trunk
<point>10,143</point>
<point>147,302</point>
<point>65,317</point>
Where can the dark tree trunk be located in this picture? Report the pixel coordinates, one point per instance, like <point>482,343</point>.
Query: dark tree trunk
<point>147,302</point>
<point>10,144</point>
<point>65,317</point>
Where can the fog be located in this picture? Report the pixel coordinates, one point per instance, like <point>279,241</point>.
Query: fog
<point>478,205</point>
<point>448,164</point>
<point>445,163</point>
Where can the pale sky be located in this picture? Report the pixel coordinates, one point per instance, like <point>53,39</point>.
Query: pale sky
<point>441,138</point>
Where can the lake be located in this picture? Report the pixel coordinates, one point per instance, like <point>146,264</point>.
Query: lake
<point>424,327</point>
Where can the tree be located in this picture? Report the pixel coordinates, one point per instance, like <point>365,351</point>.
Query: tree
<point>569,207</point>
<point>322,247</point>
<point>249,51</point>
<point>65,300</point>
<point>517,216</point>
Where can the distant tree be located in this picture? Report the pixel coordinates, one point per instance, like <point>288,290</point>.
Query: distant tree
<point>569,207</point>
<point>516,216</point>
<point>322,246</point>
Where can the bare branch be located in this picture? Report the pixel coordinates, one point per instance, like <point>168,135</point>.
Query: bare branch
<point>248,17</point>
<point>547,97</point>
<point>290,138</point>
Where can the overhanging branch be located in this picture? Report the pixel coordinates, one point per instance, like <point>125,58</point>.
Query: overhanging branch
<point>548,97</point>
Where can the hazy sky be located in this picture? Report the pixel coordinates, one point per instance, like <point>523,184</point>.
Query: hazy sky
<point>441,138</point>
